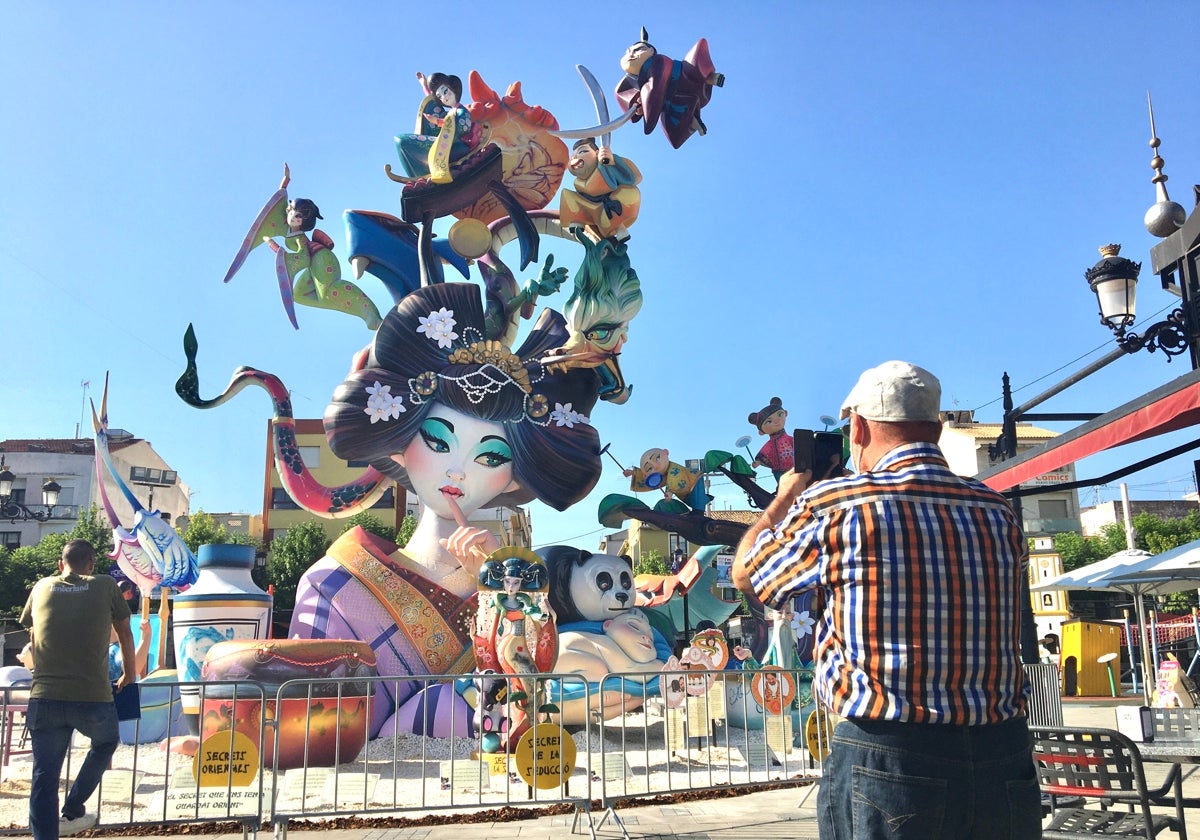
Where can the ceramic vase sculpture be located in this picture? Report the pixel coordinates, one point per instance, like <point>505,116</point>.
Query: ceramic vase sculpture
<point>320,721</point>
<point>223,604</point>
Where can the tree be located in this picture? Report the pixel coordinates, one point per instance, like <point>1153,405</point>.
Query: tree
<point>1151,533</point>
<point>371,524</point>
<point>95,529</point>
<point>407,526</point>
<point>202,529</point>
<point>290,557</point>
<point>651,563</point>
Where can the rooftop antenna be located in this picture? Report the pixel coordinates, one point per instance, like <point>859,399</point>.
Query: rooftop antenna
<point>83,383</point>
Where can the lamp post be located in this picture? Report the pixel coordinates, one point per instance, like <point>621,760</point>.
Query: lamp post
<point>16,511</point>
<point>1176,261</point>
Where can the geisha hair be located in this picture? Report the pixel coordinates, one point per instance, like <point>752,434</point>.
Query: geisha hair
<point>306,208</point>
<point>453,82</point>
<point>557,464</point>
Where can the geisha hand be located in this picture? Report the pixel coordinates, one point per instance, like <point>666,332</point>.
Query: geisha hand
<point>469,545</point>
<point>423,81</point>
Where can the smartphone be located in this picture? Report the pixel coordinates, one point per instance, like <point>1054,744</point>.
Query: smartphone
<point>802,449</point>
<point>828,454</point>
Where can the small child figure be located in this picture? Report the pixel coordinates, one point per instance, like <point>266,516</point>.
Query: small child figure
<point>659,472</point>
<point>778,452</point>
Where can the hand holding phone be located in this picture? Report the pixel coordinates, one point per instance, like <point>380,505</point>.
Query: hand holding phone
<point>828,449</point>
<point>802,449</point>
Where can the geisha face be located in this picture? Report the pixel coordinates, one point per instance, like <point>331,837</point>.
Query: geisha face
<point>446,96</point>
<point>295,219</point>
<point>454,455</point>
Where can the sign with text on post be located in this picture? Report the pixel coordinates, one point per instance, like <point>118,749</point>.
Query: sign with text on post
<point>545,756</point>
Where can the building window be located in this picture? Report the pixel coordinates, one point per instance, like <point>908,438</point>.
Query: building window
<point>1052,509</point>
<point>280,500</point>
<point>148,475</point>
<point>10,539</point>
<point>18,496</point>
<point>311,456</point>
<point>358,464</point>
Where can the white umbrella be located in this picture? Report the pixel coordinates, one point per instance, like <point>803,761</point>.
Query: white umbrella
<point>1107,575</point>
<point>1162,574</point>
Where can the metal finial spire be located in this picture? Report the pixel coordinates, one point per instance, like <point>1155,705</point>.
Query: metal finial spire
<point>1165,217</point>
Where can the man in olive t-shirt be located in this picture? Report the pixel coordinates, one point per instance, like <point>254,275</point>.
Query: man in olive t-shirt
<point>70,617</point>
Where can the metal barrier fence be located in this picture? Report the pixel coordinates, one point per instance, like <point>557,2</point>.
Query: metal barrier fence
<point>303,752</point>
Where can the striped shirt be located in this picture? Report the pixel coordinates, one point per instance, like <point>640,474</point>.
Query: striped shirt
<point>921,572</point>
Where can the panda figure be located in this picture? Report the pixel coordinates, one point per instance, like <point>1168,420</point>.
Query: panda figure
<point>602,635</point>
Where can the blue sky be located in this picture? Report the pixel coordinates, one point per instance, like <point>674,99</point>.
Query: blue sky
<point>909,180</point>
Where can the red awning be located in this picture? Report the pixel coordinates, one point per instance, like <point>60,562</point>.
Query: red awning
<point>1169,408</point>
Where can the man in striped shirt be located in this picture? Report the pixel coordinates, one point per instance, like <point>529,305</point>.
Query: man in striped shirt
<point>917,647</point>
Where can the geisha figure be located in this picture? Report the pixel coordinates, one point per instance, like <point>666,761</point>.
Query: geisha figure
<point>778,453</point>
<point>444,131</point>
<point>464,423</point>
<point>515,631</point>
<point>307,269</point>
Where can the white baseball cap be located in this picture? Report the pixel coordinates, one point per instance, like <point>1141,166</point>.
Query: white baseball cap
<point>895,392</point>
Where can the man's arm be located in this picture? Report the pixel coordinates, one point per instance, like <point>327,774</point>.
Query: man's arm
<point>128,656</point>
<point>791,485</point>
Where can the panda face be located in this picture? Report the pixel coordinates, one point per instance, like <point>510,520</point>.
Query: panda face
<point>602,587</point>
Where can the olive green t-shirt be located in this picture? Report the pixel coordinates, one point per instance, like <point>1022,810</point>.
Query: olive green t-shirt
<point>72,617</point>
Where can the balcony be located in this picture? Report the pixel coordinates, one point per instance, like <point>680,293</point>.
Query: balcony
<point>62,513</point>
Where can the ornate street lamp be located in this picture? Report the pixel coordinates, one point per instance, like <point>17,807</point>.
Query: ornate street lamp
<point>1114,280</point>
<point>1175,261</point>
<point>16,511</point>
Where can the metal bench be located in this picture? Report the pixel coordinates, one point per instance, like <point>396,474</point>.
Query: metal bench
<point>1105,768</point>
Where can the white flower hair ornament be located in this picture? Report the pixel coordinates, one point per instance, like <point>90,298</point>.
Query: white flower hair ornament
<point>381,404</point>
<point>439,326</point>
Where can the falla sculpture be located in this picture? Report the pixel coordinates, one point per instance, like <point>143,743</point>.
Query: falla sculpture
<point>469,395</point>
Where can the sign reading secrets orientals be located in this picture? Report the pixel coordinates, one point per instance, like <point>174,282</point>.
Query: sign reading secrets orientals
<point>545,756</point>
<point>226,759</point>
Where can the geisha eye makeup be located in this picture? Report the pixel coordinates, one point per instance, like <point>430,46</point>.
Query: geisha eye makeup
<point>495,452</point>
<point>437,434</point>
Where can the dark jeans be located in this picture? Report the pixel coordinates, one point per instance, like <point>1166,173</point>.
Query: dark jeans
<point>51,723</point>
<point>929,781</point>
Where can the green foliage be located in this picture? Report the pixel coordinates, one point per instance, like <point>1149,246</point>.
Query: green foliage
<point>407,526</point>
<point>1153,534</point>
<point>202,529</point>
<point>651,563</point>
<point>290,556</point>
<point>21,568</point>
<point>371,524</point>
<point>94,528</point>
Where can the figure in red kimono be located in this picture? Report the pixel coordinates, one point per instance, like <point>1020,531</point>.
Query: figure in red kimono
<point>660,88</point>
<point>778,453</point>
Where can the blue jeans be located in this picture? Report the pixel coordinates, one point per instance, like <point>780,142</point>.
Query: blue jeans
<point>51,723</point>
<point>929,781</point>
